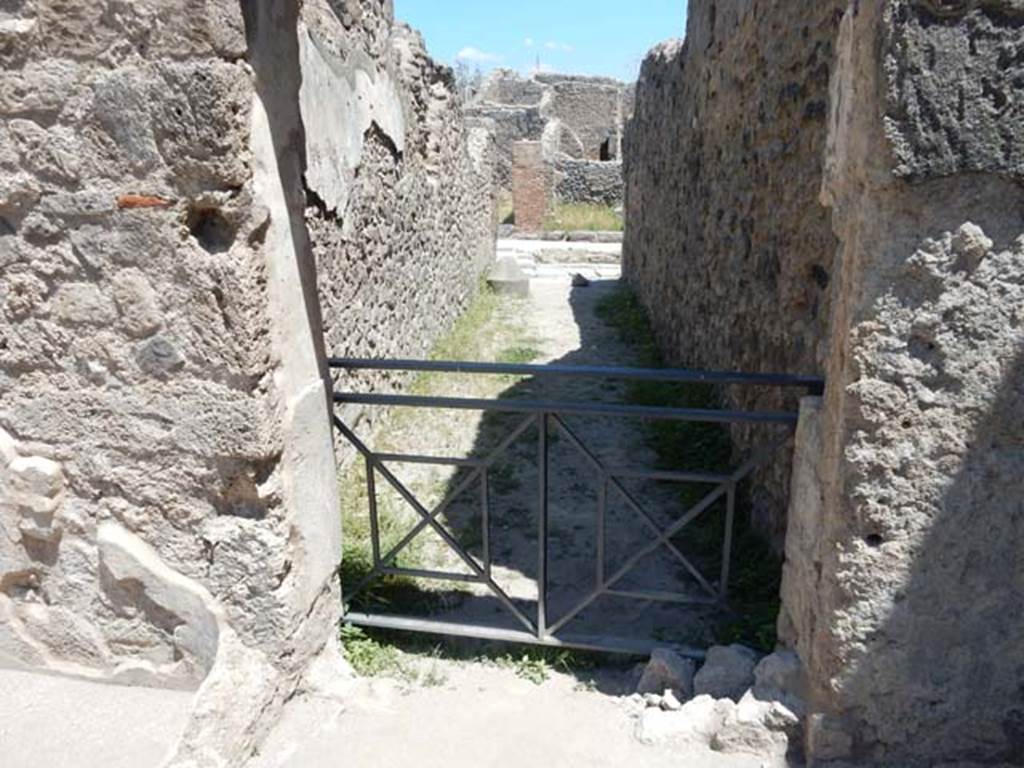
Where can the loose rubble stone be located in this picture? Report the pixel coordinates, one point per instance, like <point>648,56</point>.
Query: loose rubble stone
<point>971,245</point>
<point>697,721</point>
<point>780,677</point>
<point>36,476</point>
<point>669,702</point>
<point>667,670</point>
<point>507,278</point>
<point>728,672</point>
<point>652,700</point>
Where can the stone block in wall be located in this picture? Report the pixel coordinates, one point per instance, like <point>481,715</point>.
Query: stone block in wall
<point>913,646</point>
<point>531,185</point>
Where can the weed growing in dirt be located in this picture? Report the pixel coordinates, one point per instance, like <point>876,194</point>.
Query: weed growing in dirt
<point>506,210</point>
<point>417,658</point>
<point>537,664</point>
<point>467,340</point>
<point>757,571</point>
<point>518,355</point>
<point>369,657</point>
<point>373,657</point>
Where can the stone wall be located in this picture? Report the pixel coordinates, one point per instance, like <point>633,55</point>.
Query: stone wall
<point>587,181</point>
<point>592,108</point>
<point>166,500</point>
<point>510,124</point>
<point>168,195</point>
<point>726,243</point>
<point>505,86</point>
<point>402,237</point>
<point>910,624</point>
<point>903,573</point>
<point>576,116</point>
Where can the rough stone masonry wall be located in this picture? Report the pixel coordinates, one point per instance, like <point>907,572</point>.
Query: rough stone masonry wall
<point>587,181</point>
<point>574,115</point>
<point>404,233</point>
<point>591,108</point>
<point>726,243</point>
<point>166,506</point>
<point>510,124</point>
<point>168,502</point>
<point>905,601</point>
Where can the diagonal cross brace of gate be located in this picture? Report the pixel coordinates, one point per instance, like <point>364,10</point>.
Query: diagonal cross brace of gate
<point>607,479</point>
<point>604,583</point>
<point>483,574</point>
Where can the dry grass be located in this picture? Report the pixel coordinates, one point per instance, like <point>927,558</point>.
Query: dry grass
<point>578,217</point>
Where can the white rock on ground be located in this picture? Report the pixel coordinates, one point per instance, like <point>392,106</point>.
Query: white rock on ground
<point>670,703</point>
<point>764,728</point>
<point>780,677</point>
<point>697,722</point>
<point>728,672</point>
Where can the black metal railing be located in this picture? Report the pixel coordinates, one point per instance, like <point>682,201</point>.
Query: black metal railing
<point>545,415</point>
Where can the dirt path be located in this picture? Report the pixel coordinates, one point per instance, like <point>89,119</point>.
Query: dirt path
<point>479,717</point>
<point>446,707</point>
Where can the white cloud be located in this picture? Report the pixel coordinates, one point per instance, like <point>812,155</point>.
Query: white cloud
<point>552,45</point>
<point>475,54</point>
<point>528,42</point>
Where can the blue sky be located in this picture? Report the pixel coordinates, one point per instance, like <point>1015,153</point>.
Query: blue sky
<point>591,37</point>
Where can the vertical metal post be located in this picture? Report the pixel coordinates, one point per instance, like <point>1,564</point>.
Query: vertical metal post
<point>485,521</point>
<point>730,514</point>
<point>542,527</point>
<point>371,491</point>
<point>602,507</point>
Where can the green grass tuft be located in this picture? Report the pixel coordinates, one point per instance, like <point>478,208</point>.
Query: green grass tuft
<point>369,657</point>
<point>518,355</point>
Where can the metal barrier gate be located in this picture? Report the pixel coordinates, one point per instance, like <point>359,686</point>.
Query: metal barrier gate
<point>542,628</point>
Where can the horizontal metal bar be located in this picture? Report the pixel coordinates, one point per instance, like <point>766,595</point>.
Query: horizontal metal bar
<point>419,573</point>
<point>440,461</point>
<point>703,478</point>
<point>579,409</point>
<point>600,643</point>
<point>661,597</point>
<point>813,383</point>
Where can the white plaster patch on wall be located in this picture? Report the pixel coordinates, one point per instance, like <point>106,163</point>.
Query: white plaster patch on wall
<point>339,102</point>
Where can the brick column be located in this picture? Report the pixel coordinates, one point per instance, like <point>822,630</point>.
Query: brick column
<point>531,185</point>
